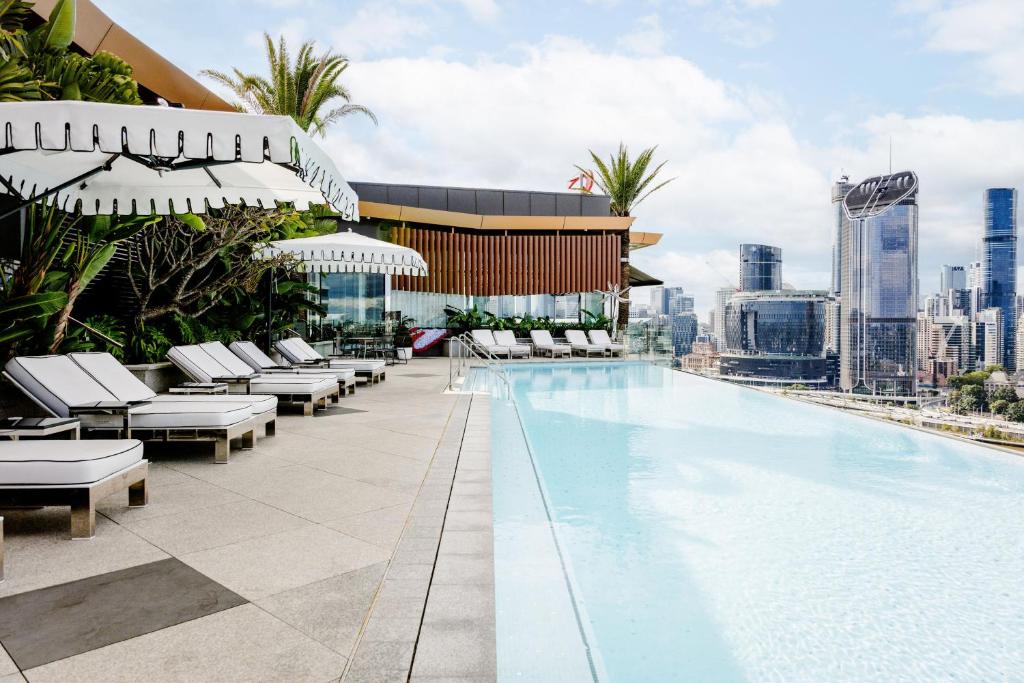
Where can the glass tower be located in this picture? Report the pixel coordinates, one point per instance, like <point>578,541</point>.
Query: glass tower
<point>999,263</point>
<point>878,345</point>
<point>840,188</point>
<point>760,267</point>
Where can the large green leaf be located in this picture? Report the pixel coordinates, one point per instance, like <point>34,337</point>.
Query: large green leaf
<point>60,26</point>
<point>31,306</point>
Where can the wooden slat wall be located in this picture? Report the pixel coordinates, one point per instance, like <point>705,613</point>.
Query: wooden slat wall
<point>517,264</point>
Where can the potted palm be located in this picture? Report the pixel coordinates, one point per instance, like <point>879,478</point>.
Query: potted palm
<point>403,338</point>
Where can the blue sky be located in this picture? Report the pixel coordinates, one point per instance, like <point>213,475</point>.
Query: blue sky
<point>756,104</point>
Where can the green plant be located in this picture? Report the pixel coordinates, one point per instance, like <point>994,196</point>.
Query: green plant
<point>977,377</point>
<point>303,89</point>
<point>999,406</point>
<point>461,320</point>
<point>147,344</point>
<point>627,182</point>
<point>1006,394</point>
<point>1015,412</point>
<point>111,336</point>
<point>595,321</point>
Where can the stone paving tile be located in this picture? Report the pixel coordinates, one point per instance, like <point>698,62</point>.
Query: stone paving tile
<point>168,500</point>
<point>207,528</point>
<point>380,527</point>
<point>261,567</point>
<point>7,665</point>
<point>39,550</point>
<point>333,610</point>
<point>240,644</point>
<point>380,469</point>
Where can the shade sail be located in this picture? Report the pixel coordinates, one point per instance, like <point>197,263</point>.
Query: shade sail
<point>350,252</point>
<point>638,278</point>
<point>113,158</point>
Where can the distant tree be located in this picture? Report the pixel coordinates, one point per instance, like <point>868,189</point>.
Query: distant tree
<point>305,89</point>
<point>1004,393</point>
<point>977,377</point>
<point>973,398</point>
<point>995,367</point>
<point>1015,412</point>
<point>999,406</point>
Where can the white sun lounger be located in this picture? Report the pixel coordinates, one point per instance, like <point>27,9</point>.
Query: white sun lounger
<point>601,338</point>
<point>119,380</point>
<point>71,473</point>
<point>507,338</point>
<point>545,345</point>
<point>578,341</point>
<point>296,351</point>
<point>485,338</point>
<point>64,389</point>
<point>260,362</point>
<point>197,362</point>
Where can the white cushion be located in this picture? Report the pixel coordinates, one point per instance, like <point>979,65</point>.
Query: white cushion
<point>55,463</point>
<point>252,355</point>
<point>292,384</point>
<point>115,378</point>
<point>296,350</point>
<point>221,354</point>
<point>358,364</point>
<point>542,338</point>
<point>484,338</point>
<point>176,415</point>
<point>258,403</point>
<point>580,341</point>
<point>56,382</point>
<point>197,363</point>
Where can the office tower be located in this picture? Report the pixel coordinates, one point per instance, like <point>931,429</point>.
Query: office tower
<point>832,325</point>
<point>675,302</point>
<point>722,297</point>
<point>760,268</point>
<point>657,299</point>
<point>684,332</point>
<point>878,326</point>
<point>989,343</point>
<point>999,263</point>
<point>1019,348</point>
<point>840,188</point>
<point>952,277</point>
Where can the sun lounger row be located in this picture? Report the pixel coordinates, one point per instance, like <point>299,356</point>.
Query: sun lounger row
<point>503,343</point>
<point>109,400</point>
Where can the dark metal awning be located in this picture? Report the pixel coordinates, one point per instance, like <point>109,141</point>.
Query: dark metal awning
<point>638,278</point>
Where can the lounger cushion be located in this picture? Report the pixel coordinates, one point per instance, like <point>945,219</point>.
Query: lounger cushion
<point>358,365</point>
<point>293,384</point>
<point>176,415</point>
<point>296,350</point>
<point>261,362</point>
<point>258,403</point>
<point>56,382</point>
<point>221,354</point>
<point>197,363</point>
<point>115,378</point>
<point>56,463</point>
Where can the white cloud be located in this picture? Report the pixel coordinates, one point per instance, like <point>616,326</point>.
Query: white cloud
<point>482,10</point>
<point>991,30</point>
<point>742,174</point>
<point>377,29</point>
<point>647,37</point>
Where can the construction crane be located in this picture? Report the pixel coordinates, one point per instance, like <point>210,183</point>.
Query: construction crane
<point>719,274</point>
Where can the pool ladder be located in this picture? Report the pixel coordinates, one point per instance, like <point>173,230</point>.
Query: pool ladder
<point>463,350</point>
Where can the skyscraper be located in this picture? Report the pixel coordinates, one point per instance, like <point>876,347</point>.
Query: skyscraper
<point>722,296</point>
<point>675,301</point>
<point>878,311</point>
<point>999,263</point>
<point>760,268</point>
<point>840,188</point>
<point>952,277</point>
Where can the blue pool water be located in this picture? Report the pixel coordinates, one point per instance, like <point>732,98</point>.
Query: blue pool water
<point>705,532</point>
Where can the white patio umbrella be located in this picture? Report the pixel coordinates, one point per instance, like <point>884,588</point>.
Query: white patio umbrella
<point>346,252</point>
<point>111,158</point>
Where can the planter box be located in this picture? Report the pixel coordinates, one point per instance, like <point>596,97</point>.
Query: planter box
<point>404,352</point>
<point>324,348</point>
<point>158,376</point>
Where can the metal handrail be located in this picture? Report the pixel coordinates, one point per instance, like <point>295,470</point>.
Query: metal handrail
<point>457,362</point>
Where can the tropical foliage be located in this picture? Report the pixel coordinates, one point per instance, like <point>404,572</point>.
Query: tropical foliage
<point>306,89</point>
<point>464,320</point>
<point>627,181</point>
<point>40,64</point>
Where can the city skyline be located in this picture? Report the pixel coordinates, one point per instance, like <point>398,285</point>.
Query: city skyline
<point>753,130</point>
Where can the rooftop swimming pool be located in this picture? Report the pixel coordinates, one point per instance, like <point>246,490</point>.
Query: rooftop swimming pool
<point>663,526</point>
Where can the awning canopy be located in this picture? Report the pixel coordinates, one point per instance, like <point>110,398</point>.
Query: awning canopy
<point>125,159</point>
<point>350,252</point>
<point>638,278</point>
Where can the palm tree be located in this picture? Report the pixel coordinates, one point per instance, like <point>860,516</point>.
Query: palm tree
<point>303,89</point>
<point>627,182</point>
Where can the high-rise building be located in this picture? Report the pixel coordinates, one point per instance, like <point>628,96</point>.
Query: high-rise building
<point>999,262</point>
<point>1020,342</point>
<point>657,299</point>
<point>760,268</point>
<point>878,328</point>
<point>675,302</point>
<point>840,188</point>
<point>952,277</point>
<point>989,343</point>
<point>722,296</point>
<point>684,332</point>
<point>832,325</point>
<point>974,275</point>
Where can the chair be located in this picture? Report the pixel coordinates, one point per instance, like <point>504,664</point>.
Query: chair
<point>507,338</point>
<point>265,365</point>
<point>214,363</point>
<point>545,345</point>
<point>485,338</point>
<point>578,341</point>
<point>298,352</point>
<point>119,381</point>
<point>601,338</point>
<point>64,389</point>
<point>72,473</point>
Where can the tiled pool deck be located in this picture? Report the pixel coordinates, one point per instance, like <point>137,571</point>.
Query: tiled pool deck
<point>354,545</point>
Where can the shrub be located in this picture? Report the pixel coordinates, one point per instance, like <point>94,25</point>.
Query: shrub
<point>999,406</point>
<point>1015,412</point>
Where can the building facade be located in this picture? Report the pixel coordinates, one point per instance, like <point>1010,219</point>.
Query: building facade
<point>722,296</point>
<point>999,263</point>
<point>760,268</point>
<point>952,277</point>
<point>840,188</point>
<point>878,327</point>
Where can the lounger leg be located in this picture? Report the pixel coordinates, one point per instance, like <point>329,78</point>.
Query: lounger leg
<point>270,428</point>
<point>336,396</point>
<point>83,515</point>
<point>138,494</point>
<point>1,549</point>
<point>249,439</point>
<point>221,450</point>
<point>321,403</point>
<point>307,407</point>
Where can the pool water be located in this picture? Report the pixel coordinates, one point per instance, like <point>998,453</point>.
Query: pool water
<point>663,526</point>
